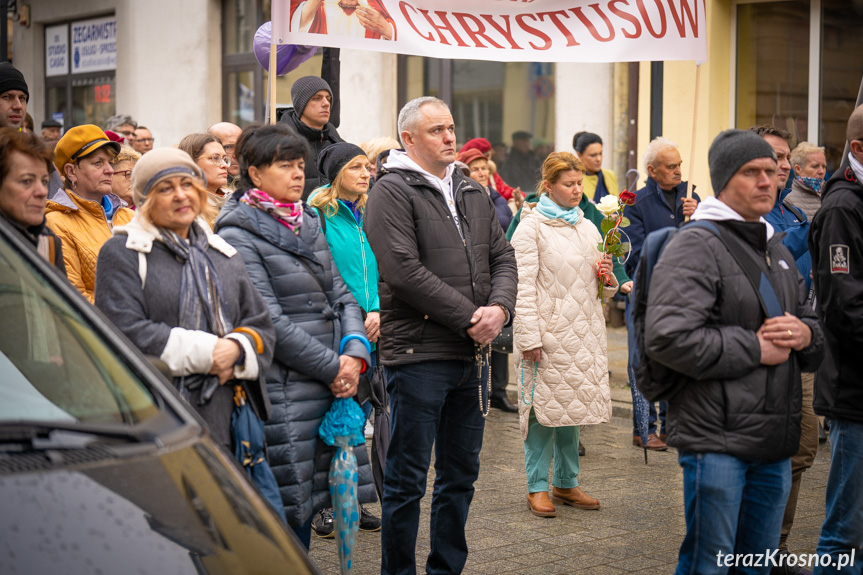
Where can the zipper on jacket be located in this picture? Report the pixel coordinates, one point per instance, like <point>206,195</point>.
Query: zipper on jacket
<point>365,266</point>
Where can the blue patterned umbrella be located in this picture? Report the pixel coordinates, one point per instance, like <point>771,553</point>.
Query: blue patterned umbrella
<point>343,427</point>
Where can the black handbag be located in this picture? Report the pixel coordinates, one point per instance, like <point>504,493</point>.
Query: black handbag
<point>503,342</point>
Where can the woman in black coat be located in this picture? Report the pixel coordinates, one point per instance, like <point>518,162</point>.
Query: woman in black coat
<point>321,345</point>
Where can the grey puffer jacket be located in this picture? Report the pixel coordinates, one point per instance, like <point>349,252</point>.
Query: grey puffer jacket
<point>702,318</point>
<point>312,310</point>
<point>432,279</point>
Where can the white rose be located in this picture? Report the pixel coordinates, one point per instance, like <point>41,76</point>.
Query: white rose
<point>608,205</point>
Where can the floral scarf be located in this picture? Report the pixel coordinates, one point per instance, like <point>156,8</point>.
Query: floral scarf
<point>813,184</point>
<point>290,215</point>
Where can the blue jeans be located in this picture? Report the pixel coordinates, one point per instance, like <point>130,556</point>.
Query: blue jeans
<point>732,505</point>
<point>843,525</point>
<point>637,424</point>
<point>432,403</point>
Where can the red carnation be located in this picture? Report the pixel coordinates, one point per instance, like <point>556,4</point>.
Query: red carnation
<point>626,198</point>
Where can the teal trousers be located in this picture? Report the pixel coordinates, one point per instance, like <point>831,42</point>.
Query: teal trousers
<point>544,444</point>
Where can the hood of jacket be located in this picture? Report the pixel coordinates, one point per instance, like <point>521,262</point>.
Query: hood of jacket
<point>65,200</point>
<point>716,210</point>
<point>263,225</point>
<point>399,160</point>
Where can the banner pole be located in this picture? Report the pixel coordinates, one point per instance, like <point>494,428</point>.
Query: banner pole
<point>689,188</point>
<point>271,84</point>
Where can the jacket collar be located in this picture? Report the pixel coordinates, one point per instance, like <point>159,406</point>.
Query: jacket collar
<point>263,225</point>
<point>716,210</point>
<point>141,233</point>
<point>307,131</point>
<point>70,200</point>
<point>653,186</point>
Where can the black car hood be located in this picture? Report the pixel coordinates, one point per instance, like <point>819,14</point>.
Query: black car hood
<point>175,511</point>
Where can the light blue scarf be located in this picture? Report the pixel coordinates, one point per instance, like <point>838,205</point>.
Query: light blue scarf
<point>549,209</point>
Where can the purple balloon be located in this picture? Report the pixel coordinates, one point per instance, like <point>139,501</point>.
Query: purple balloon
<point>288,56</point>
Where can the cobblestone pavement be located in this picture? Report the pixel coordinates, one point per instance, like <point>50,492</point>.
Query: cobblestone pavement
<point>638,529</point>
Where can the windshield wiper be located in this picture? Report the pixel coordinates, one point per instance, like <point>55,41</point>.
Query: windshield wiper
<point>34,431</point>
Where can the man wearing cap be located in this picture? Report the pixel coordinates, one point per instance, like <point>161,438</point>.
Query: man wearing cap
<point>51,131</point>
<point>310,117</point>
<point>837,266</point>
<point>84,213</point>
<point>14,96</point>
<point>736,421</point>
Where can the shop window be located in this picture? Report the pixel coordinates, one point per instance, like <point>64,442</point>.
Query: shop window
<point>773,66</point>
<point>841,68</point>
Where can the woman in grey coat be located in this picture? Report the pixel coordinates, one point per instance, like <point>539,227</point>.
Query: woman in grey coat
<point>321,345</point>
<point>182,294</point>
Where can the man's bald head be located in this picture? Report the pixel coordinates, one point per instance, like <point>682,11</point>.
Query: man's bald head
<point>855,125</point>
<point>228,133</point>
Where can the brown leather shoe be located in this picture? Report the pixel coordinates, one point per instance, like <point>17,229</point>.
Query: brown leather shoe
<point>575,497</point>
<point>540,505</point>
<point>653,442</point>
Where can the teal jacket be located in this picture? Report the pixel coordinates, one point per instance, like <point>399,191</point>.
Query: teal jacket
<point>353,256</point>
<point>590,212</point>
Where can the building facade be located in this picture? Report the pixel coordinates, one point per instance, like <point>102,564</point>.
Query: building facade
<point>179,67</point>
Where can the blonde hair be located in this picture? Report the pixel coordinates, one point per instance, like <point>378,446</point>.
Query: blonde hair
<point>800,154</point>
<point>326,198</point>
<point>206,212</point>
<point>554,166</point>
<point>126,153</point>
<point>375,146</point>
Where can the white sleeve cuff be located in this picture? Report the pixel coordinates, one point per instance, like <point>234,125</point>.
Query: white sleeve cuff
<point>249,367</point>
<point>189,351</point>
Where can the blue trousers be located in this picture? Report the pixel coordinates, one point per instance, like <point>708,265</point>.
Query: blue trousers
<point>433,403</point>
<point>842,530</point>
<point>732,505</point>
<point>637,417</point>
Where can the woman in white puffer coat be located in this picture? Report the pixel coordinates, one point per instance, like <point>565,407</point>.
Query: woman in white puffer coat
<point>559,333</point>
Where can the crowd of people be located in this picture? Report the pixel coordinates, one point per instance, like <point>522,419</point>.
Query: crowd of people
<point>282,260</point>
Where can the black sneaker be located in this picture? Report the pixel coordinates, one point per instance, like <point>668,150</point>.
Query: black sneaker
<point>322,524</point>
<point>368,522</point>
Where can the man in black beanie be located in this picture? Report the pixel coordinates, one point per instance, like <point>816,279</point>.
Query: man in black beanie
<point>14,96</point>
<point>739,350</point>
<point>310,117</point>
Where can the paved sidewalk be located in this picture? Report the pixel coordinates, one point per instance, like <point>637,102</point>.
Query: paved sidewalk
<point>638,529</point>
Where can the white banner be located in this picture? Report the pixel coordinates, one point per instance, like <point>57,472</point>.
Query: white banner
<point>57,50</point>
<point>501,30</point>
<point>94,45</point>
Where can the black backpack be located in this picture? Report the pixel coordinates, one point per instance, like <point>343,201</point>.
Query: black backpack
<point>654,380</point>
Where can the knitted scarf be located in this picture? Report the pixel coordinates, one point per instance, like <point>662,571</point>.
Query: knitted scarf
<point>290,215</point>
<point>200,298</point>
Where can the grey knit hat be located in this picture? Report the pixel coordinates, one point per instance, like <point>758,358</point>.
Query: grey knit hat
<point>159,164</point>
<point>303,90</point>
<point>730,150</point>
<point>12,79</point>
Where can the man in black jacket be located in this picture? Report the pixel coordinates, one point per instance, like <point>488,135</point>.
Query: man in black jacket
<point>736,421</point>
<point>447,286</point>
<point>836,245</point>
<point>312,98</point>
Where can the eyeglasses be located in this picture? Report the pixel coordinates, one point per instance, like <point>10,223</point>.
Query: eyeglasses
<point>128,134</point>
<point>126,173</point>
<point>144,140</point>
<point>218,160</point>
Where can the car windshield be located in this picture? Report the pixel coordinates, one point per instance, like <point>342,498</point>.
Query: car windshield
<point>53,365</point>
